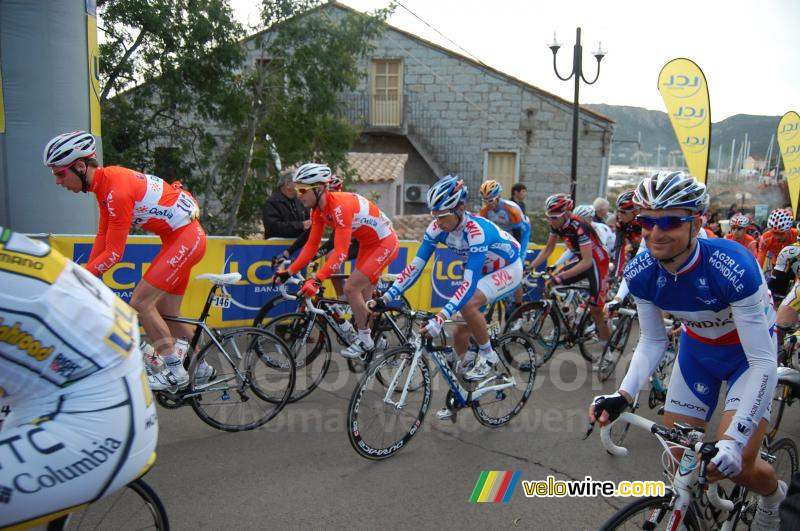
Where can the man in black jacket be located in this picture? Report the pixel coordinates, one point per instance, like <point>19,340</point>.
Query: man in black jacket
<point>283,213</point>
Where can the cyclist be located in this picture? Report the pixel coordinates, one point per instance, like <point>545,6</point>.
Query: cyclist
<point>628,231</point>
<point>714,287</point>
<point>786,272</point>
<point>583,241</point>
<point>780,233</point>
<point>604,232</point>
<point>738,232</point>
<point>351,216</point>
<point>509,217</point>
<point>128,198</point>
<point>82,422</point>
<point>492,270</point>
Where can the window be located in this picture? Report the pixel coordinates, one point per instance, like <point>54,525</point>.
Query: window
<point>502,167</point>
<point>386,101</point>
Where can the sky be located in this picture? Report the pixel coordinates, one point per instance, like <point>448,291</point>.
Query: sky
<point>745,48</point>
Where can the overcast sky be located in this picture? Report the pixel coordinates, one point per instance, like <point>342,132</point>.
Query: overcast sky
<point>748,50</point>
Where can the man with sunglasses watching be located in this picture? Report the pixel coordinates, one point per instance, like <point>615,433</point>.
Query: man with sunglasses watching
<point>738,232</point>
<point>780,233</point>
<point>492,270</point>
<point>583,241</point>
<point>715,289</point>
<point>351,216</point>
<point>128,198</point>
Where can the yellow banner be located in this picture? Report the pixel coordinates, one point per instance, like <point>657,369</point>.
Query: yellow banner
<point>94,74</point>
<point>789,143</point>
<point>685,92</point>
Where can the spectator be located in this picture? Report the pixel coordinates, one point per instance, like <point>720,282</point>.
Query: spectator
<point>518,194</point>
<point>600,210</point>
<point>714,226</point>
<point>732,210</point>
<point>283,213</point>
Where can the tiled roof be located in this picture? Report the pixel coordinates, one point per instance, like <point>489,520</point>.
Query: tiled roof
<point>377,167</point>
<point>411,227</point>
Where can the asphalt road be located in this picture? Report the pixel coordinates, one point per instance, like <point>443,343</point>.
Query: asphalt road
<point>299,471</point>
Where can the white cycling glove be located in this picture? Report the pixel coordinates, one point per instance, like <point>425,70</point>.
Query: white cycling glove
<point>729,457</point>
<point>434,326</point>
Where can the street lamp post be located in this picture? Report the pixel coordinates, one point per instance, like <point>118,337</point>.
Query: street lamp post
<point>577,73</point>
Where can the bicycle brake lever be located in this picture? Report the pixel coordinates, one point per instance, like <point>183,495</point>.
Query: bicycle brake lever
<point>589,430</point>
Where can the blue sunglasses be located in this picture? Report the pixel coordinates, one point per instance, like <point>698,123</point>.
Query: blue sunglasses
<point>664,223</point>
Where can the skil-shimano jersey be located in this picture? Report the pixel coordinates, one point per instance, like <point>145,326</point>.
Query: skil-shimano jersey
<point>484,247</point>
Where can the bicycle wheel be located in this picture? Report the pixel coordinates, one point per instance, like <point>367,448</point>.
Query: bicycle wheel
<point>135,506</point>
<point>255,377</point>
<point>590,346</point>
<point>615,347</point>
<point>780,398</point>
<point>648,513</point>
<point>377,427</point>
<point>307,337</point>
<point>517,353</point>
<point>787,461</point>
<point>496,315</point>
<point>538,321</point>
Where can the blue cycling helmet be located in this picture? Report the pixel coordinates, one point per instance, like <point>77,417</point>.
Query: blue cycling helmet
<point>447,193</point>
<point>671,189</point>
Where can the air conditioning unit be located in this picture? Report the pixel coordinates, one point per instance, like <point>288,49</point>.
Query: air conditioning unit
<point>416,193</point>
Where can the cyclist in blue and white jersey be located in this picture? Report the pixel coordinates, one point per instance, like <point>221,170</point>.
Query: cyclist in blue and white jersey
<point>82,421</point>
<point>509,216</point>
<point>715,288</point>
<point>492,270</point>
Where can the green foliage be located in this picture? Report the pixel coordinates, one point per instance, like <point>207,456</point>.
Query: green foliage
<point>174,76</point>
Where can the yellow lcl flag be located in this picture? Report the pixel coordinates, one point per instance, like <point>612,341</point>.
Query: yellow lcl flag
<point>685,92</point>
<point>789,144</point>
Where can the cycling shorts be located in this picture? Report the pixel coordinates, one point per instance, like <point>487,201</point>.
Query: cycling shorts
<point>792,298</point>
<point>73,448</point>
<point>596,276</point>
<point>502,282</point>
<point>373,260</point>
<point>180,251</point>
<point>697,376</point>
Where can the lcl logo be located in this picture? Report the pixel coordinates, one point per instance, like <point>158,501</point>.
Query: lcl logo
<point>694,144</point>
<point>682,81</point>
<point>690,112</point>
<point>682,86</point>
<point>789,130</point>
<point>791,152</point>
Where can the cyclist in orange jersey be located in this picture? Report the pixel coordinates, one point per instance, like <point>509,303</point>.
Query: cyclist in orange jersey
<point>739,223</point>
<point>779,234</point>
<point>351,216</point>
<point>128,198</point>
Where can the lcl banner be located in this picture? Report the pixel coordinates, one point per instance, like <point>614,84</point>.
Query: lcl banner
<point>685,92</point>
<point>789,143</point>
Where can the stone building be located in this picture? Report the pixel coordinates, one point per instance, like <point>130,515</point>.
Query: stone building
<point>451,114</point>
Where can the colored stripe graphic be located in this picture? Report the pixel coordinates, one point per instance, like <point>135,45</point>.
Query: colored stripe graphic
<point>494,486</point>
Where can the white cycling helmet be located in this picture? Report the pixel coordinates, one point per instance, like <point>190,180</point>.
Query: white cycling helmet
<point>739,220</point>
<point>780,219</point>
<point>312,174</point>
<point>447,193</point>
<point>584,211</point>
<point>65,149</point>
<point>671,189</point>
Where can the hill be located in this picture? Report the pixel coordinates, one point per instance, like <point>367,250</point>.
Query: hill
<point>656,131</point>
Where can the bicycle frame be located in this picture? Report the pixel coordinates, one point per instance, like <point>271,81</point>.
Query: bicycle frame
<point>463,396</point>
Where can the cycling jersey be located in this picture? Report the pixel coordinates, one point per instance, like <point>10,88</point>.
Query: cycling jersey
<point>509,217</point>
<point>485,248</point>
<point>745,240</point>
<point>576,232</point>
<point>722,300</point>
<point>606,236</point>
<point>769,245</point>
<point>351,216</point>
<point>787,268</point>
<point>82,421</point>
<point>127,198</point>
<point>626,233</point>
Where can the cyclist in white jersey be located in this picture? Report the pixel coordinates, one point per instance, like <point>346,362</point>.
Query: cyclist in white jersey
<point>82,421</point>
<point>715,288</point>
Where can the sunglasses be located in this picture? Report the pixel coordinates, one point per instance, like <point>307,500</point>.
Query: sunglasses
<point>59,171</point>
<point>303,189</point>
<point>444,215</point>
<point>555,216</point>
<point>664,223</point>
<point>487,200</point>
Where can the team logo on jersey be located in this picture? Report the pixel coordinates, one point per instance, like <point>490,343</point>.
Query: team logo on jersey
<point>701,283</point>
<point>662,281</point>
<point>701,388</point>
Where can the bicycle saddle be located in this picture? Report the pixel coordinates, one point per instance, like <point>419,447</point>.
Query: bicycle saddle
<point>221,280</point>
<point>790,377</point>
